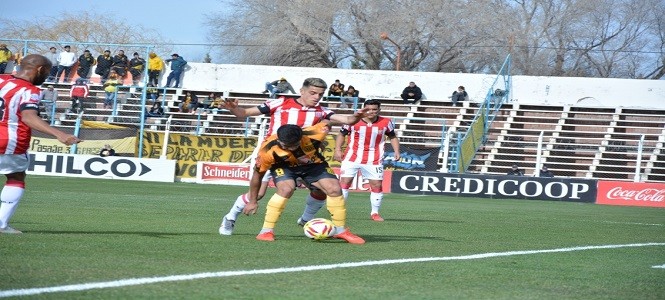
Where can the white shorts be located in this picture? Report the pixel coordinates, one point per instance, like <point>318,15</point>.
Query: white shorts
<point>266,177</point>
<point>371,172</point>
<point>14,163</point>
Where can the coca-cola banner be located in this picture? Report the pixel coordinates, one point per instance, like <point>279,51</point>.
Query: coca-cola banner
<point>631,193</point>
<point>494,186</point>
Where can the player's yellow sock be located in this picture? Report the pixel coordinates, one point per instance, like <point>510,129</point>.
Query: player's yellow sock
<point>337,209</point>
<point>275,207</point>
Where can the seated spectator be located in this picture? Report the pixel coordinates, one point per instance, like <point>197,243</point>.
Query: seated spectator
<point>348,96</point>
<point>544,172</point>
<point>156,111</point>
<point>278,86</point>
<point>120,64</point>
<point>48,98</point>
<point>78,92</point>
<point>110,88</point>
<point>152,93</point>
<point>209,102</point>
<point>515,171</point>
<point>189,103</point>
<point>459,95</point>
<point>107,151</point>
<point>411,93</point>
<point>336,89</point>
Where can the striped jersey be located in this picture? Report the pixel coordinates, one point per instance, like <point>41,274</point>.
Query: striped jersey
<point>365,140</point>
<point>272,155</point>
<point>288,111</point>
<point>16,95</point>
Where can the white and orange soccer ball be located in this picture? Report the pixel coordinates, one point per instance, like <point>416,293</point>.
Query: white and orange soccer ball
<point>319,229</point>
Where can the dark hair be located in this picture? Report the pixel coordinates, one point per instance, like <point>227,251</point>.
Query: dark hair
<point>289,134</point>
<point>461,87</point>
<point>313,81</point>
<point>51,48</point>
<point>136,53</point>
<point>372,102</point>
<point>351,87</point>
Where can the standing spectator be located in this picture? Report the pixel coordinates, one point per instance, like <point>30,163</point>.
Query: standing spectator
<point>120,64</point>
<point>459,95</point>
<point>336,89</point>
<point>104,63</point>
<point>52,56</point>
<point>5,56</point>
<point>107,151</point>
<point>78,92</point>
<point>177,67</point>
<point>155,67</point>
<point>86,61</point>
<point>364,153</point>
<point>156,111</point>
<point>544,172</point>
<point>136,67</point>
<point>278,86</point>
<point>21,117</point>
<point>515,171</point>
<point>66,60</point>
<point>411,93</point>
<point>48,98</point>
<point>190,102</point>
<point>110,87</point>
<point>349,95</point>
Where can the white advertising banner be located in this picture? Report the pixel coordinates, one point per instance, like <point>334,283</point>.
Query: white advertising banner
<point>110,167</point>
<point>223,173</point>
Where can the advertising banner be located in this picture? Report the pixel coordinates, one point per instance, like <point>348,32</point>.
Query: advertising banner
<point>631,193</point>
<point>489,186</point>
<point>123,141</point>
<point>411,158</point>
<point>93,166</point>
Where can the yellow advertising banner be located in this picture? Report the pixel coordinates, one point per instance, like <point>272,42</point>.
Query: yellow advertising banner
<point>91,147</point>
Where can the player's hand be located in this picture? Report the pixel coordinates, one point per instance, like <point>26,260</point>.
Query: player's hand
<point>69,140</point>
<point>250,208</point>
<point>338,155</point>
<point>361,113</point>
<point>397,156</point>
<point>229,103</point>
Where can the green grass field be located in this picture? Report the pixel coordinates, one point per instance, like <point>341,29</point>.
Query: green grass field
<point>81,231</point>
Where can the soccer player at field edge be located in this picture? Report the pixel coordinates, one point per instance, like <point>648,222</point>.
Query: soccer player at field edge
<point>364,153</point>
<point>304,111</point>
<point>20,115</point>
<point>290,154</point>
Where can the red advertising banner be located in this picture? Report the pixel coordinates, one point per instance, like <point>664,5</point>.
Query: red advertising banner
<point>631,193</point>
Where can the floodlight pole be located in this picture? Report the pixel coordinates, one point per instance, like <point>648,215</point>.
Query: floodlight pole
<point>384,36</point>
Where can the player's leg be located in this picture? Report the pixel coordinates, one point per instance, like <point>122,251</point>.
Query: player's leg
<point>229,220</point>
<point>313,203</point>
<point>13,166</point>
<point>285,182</point>
<point>374,173</point>
<point>348,172</point>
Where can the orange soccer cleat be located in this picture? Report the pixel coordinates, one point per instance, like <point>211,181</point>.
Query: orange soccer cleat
<point>349,237</point>
<point>267,236</point>
<point>376,217</point>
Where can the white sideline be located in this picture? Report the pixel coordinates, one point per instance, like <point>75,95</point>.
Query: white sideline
<point>148,280</point>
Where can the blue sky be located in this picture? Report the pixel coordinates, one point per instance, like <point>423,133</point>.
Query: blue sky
<point>178,21</point>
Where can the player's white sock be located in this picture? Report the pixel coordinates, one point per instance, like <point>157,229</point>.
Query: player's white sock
<point>345,193</point>
<point>10,197</point>
<point>312,206</point>
<point>237,208</point>
<point>375,199</point>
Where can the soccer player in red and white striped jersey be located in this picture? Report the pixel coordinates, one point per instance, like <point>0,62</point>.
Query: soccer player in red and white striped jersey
<point>365,151</point>
<point>303,111</point>
<point>19,114</point>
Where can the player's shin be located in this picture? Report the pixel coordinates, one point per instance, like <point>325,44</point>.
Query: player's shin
<point>274,209</point>
<point>313,204</point>
<point>237,208</point>
<point>11,195</point>
<point>337,209</point>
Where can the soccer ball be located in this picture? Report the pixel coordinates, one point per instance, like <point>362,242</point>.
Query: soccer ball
<point>319,229</point>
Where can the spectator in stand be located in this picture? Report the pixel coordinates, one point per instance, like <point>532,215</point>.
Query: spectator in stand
<point>209,102</point>
<point>104,63</point>
<point>48,98</point>
<point>5,56</point>
<point>78,92</point>
<point>515,171</point>
<point>336,89</point>
<point>177,68</point>
<point>86,61</point>
<point>52,56</point>
<point>411,93</point>
<point>188,104</point>
<point>155,67</point>
<point>110,87</point>
<point>120,64</point>
<point>152,92</point>
<point>459,95</point>
<point>277,87</point>
<point>136,67</point>
<point>544,172</point>
<point>107,151</point>
<point>66,59</point>
<point>349,95</point>
<point>156,111</point>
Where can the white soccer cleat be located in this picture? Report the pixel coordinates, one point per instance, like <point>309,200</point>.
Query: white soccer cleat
<point>301,222</point>
<point>226,228</point>
<point>9,230</point>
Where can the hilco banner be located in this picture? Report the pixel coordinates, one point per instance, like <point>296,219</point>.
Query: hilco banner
<point>223,173</point>
<point>489,186</point>
<point>631,193</point>
<point>411,159</point>
<point>110,167</point>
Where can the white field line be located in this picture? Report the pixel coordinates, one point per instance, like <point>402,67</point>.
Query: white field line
<point>659,267</point>
<point>633,223</point>
<point>172,278</point>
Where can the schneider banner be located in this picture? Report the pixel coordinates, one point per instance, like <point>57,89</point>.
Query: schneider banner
<point>489,186</point>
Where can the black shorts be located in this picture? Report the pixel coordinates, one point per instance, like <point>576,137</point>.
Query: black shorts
<point>308,173</point>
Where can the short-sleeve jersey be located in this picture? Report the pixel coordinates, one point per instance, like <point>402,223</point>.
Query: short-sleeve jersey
<point>272,155</point>
<point>284,111</point>
<point>366,140</point>
<point>16,95</point>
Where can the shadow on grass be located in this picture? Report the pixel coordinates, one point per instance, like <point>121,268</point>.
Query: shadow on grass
<point>368,239</point>
<point>421,221</point>
<point>139,233</point>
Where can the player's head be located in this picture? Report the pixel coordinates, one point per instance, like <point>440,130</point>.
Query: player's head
<point>289,136</point>
<point>374,107</point>
<point>34,68</point>
<point>312,91</point>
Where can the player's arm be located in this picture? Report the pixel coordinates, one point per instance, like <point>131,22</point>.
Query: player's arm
<point>254,187</point>
<point>339,142</point>
<point>32,119</point>
<point>232,106</point>
<point>394,141</point>
<point>349,119</point>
